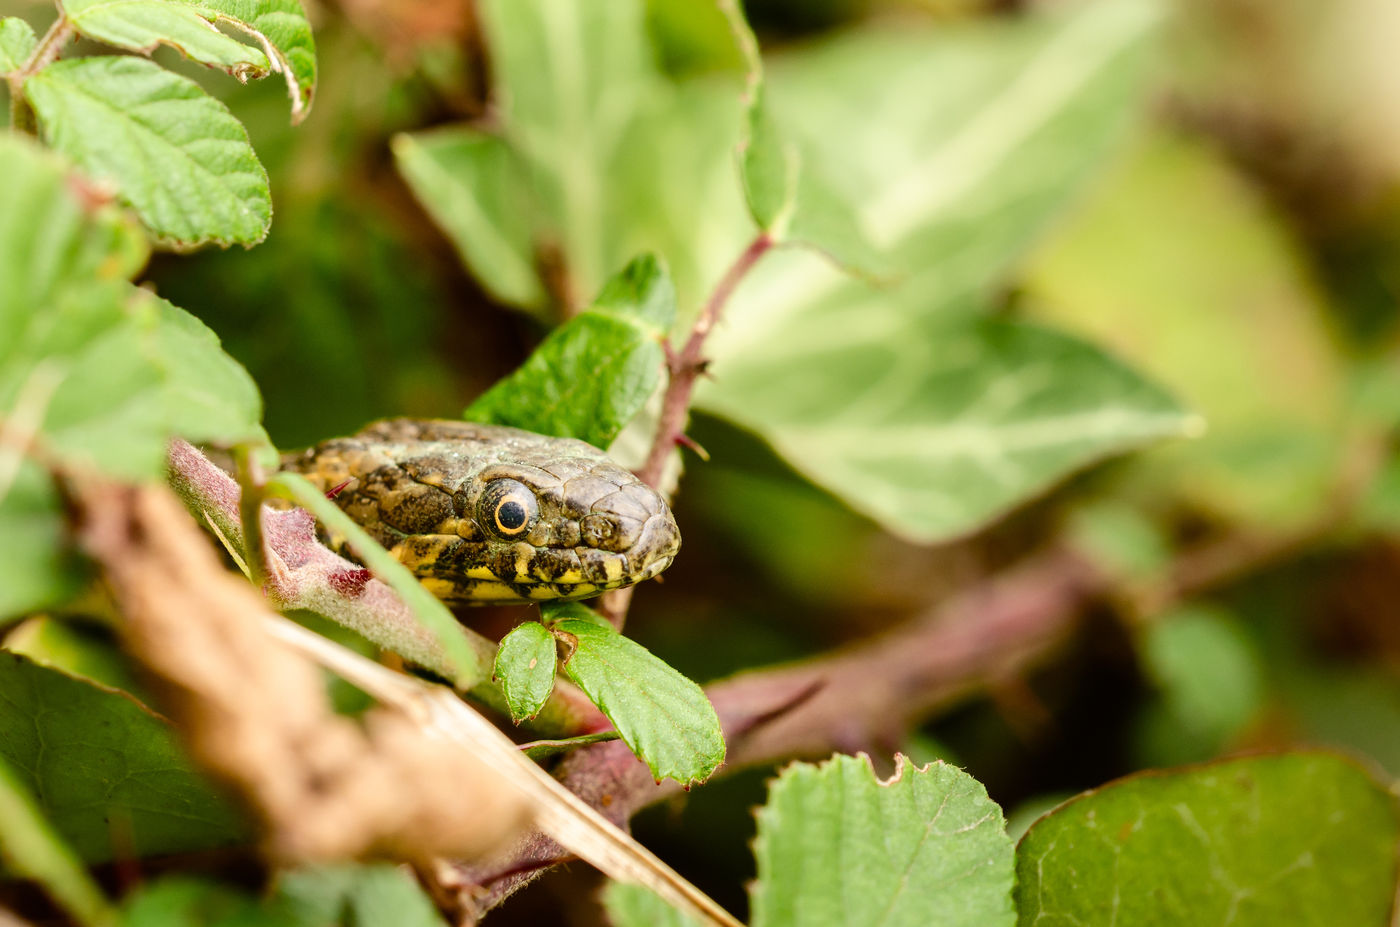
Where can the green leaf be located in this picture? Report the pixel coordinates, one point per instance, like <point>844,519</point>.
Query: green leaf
<point>541,750</point>
<point>38,568</point>
<point>368,894</point>
<point>934,432</point>
<point>208,395</point>
<point>525,665</point>
<point>953,183</point>
<point>786,195</point>
<point>108,774</point>
<point>637,906</point>
<point>1210,683</point>
<point>1302,839</point>
<point>184,901</point>
<point>662,716</point>
<point>175,154</point>
<point>50,235</point>
<point>281,28</point>
<point>75,647</point>
<point>591,375</point>
<point>476,188</point>
<point>568,113</point>
<point>141,25</point>
<point>17,42</point>
<point>32,850</point>
<point>836,846</point>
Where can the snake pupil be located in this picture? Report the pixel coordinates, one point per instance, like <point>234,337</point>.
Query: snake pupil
<point>511,515</point>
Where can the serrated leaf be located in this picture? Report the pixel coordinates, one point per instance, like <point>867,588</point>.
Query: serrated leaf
<point>281,28</point>
<point>476,188</point>
<point>17,42</point>
<point>174,153</point>
<point>661,715</point>
<point>932,432</point>
<point>591,375</point>
<point>369,894</point>
<point>836,846</point>
<point>638,906</point>
<point>141,25</point>
<point>107,773</point>
<point>1301,839</point>
<point>525,664</point>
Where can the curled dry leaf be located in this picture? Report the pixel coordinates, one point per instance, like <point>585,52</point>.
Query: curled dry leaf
<point>257,714</point>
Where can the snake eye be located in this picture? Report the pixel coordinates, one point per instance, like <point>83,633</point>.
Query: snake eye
<point>508,508</point>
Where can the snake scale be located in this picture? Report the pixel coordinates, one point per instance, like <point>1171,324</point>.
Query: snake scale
<point>487,514</point>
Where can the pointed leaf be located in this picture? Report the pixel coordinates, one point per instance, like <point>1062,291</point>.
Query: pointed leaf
<point>662,716</point>
<point>934,431</point>
<point>17,42</point>
<point>108,774</point>
<point>175,153</point>
<point>476,189</point>
<point>1302,839</point>
<point>141,25</point>
<point>525,666</point>
<point>836,846</point>
<point>595,372</point>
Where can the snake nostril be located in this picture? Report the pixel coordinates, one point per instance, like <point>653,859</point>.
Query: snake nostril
<point>598,530</point>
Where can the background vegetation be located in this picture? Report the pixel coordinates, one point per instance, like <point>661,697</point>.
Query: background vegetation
<point>1193,224</point>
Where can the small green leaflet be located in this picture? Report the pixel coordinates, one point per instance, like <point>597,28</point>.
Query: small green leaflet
<point>661,715</point>
<point>592,374</point>
<point>369,894</point>
<point>525,665</point>
<point>17,42</point>
<point>174,153</point>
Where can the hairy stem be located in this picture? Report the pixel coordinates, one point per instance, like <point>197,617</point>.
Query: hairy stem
<point>21,113</point>
<point>684,368</point>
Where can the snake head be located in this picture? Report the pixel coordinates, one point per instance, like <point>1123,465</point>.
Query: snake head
<point>488,514</point>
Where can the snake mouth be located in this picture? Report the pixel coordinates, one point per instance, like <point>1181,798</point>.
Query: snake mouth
<point>524,573</point>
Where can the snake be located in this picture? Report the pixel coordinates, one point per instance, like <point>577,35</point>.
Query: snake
<point>487,514</point>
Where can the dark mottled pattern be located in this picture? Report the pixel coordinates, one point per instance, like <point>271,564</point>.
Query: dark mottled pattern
<point>416,486</point>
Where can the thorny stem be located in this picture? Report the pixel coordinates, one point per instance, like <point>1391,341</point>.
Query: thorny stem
<point>21,113</point>
<point>688,364</point>
<point>684,367</point>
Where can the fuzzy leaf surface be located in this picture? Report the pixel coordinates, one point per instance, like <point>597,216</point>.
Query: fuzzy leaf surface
<point>836,846</point>
<point>525,665</point>
<point>174,153</point>
<point>17,42</point>
<point>591,375</point>
<point>662,716</point>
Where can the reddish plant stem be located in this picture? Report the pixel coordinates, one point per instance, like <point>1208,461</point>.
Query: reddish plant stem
<point>686,366</point>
